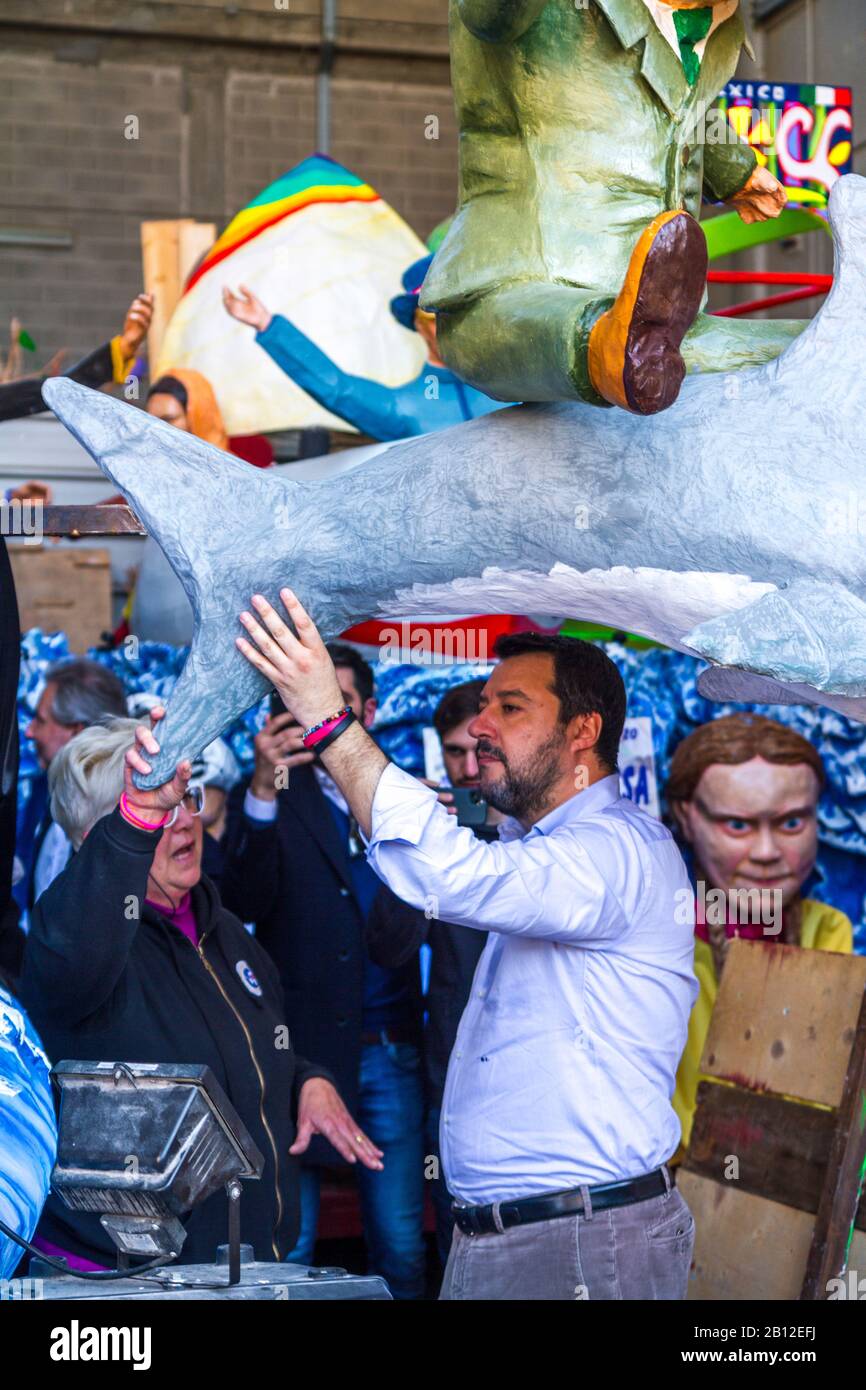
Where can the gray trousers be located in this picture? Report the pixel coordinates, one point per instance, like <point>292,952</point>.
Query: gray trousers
<point>642,1251</point>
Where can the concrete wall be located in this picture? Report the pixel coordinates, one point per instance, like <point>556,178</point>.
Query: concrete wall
<point>225,98</point>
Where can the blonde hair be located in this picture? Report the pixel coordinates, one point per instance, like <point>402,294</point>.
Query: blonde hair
<point>85,779</point>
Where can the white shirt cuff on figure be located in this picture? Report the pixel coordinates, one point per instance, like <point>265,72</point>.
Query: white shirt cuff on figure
<point>257,809</point>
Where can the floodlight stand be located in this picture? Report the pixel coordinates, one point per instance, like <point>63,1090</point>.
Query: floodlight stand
<point>233,1192</point>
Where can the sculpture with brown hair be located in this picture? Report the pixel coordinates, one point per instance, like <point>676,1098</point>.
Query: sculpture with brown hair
<point>744,791</point>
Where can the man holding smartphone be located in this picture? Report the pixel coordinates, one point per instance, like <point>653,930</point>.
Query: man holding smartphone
<point>295,865</point>
<point>557,1124</point>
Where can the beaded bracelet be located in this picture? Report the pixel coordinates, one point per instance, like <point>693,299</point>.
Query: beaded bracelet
<point>328,738</point>
<point>323,728</point>
<point>136,820</point>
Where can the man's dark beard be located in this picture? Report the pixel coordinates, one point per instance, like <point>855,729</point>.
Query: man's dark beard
<point>522,793</point>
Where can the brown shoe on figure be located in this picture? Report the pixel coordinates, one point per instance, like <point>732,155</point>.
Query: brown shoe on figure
<point>634,348</point>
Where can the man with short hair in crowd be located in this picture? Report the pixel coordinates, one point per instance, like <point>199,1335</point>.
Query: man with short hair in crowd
<point>75,695</point>
<point>557,1124</point>
<point>294,865</point>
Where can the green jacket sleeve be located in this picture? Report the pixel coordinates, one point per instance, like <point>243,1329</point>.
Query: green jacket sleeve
<point>499,21</point>
<point>727,168</point>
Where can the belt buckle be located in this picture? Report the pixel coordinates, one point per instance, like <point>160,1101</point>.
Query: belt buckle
<point>465,1219</point>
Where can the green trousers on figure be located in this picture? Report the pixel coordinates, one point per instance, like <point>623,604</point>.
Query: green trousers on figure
<point>529,342</point>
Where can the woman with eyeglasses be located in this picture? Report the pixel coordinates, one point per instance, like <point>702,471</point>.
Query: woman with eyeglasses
<point>131,957</point>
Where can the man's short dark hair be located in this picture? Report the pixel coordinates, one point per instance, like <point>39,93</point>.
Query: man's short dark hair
<point>585,681</point>
<point>456,706</point>
<point>343,655</point>
<point>84,692</point>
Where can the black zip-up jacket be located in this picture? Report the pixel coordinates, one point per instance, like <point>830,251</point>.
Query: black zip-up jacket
<point>395,935</point>
<point>291,876</point>
<point>101,985</point>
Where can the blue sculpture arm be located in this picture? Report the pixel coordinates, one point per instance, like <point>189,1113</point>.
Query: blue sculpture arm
<point>370,407</point>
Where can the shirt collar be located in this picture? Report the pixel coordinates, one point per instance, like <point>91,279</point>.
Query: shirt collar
<point>664,17</point>
<point>602,793</point>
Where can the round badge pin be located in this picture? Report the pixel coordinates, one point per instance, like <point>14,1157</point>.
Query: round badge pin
<point>248,979</point>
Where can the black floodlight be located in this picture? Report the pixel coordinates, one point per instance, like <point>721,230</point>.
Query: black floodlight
<point>141,1143</point>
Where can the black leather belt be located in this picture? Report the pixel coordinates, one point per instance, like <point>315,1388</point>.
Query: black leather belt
<point>476,1221</point>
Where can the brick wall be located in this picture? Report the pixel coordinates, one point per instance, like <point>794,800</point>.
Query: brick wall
<point>216,122</point>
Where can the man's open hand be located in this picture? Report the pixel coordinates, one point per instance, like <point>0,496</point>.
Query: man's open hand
<point>321,1111</point>
<point>137,323</point>
<point>300,668</point>
<point>277,745</point>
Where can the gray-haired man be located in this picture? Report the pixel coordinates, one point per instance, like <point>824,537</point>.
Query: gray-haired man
<point>76,694</point>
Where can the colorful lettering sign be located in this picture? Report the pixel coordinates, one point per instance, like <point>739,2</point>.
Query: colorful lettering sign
<point>803,134</point>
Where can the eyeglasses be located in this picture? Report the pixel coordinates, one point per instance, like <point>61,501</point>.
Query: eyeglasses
<point>193,803</point>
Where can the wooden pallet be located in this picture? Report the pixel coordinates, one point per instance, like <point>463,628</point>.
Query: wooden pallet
<point>775,1168</point>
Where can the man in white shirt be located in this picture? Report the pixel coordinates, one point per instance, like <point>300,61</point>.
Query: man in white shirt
<point>557,1120</point>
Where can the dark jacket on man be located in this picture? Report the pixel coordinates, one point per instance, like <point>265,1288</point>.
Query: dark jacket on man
<point>292,877</point>
<point>101,985</point>
<point>396,935</point>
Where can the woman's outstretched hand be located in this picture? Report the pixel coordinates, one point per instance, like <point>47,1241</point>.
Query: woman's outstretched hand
<point>152,805</point>
<point>246,308</point>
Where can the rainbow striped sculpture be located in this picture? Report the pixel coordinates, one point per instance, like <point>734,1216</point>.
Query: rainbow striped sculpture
<point>321,247</point>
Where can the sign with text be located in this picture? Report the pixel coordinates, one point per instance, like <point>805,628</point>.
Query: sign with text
<point>801,132</point>
<point>637,765</point>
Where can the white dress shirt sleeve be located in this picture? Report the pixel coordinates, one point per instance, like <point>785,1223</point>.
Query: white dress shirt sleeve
<point>258,809</point>
<point>549,886</point>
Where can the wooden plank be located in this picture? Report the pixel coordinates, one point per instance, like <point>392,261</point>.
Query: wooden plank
<point>777,1148</point>
<point>746,1247</point>
<point>845,1174</point>
<point>194,241</point>
<point>65,590</point>
<point>160,255</point>
<point>785,1020</point>
<point>92,520</point>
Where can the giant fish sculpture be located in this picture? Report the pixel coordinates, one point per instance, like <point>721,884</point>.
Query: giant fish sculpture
<point>723,527</point>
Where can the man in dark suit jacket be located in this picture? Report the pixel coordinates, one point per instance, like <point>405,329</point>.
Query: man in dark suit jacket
<point>295,866</point>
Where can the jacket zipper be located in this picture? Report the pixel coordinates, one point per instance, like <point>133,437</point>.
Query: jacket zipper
<point>209,968</point>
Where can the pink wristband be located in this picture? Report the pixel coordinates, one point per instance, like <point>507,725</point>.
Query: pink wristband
<point>136,820</point>
<point>320,731</point>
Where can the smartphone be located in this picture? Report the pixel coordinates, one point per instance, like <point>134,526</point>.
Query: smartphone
<point>471,806</point>
<point>276,705</point>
